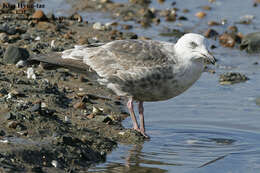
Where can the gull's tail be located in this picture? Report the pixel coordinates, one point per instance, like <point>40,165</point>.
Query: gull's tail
<point>71,64</point>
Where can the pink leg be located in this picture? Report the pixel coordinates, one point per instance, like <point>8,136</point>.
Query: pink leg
<point>130,107</point>
<point>141,114</point>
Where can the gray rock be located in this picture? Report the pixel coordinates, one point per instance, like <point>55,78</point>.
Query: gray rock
<point>14,54</point>
<point>232,78</point>
<point>20,63</point>
<point>9,30</point>
<point>3,37</point>
<point>2,133</point>
<point>251,43</point>
<point>8,116</point>
<point>257,101</point>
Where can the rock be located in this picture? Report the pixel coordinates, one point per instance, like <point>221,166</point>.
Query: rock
<point>3,37</point>
<point>246,19</point>
<point>79,105</point>
<point>233,29</point>
<point>130,35</point>
<point>36,107</point>
<point>200,15</point>
<point>13,54</point>
<point>213,23</point>
<point>20,64</point>
<point>232,78</point>
<point>141,2</point>
<point>127,27</point>
<point>211,33</point>
<point>12,124</point>
<point>2,133</point>
<point>257,101</point>
<point>39,16</point>
<point>227,40</point>
<point>76,17</point>
<point>98,26</point>
<point>3,91</point>
<point>55,163</point>
<point>206,7</point>
<point>30,73</point>
<point>9,116</point>
<point>251,42</point>
<point>45,25</point>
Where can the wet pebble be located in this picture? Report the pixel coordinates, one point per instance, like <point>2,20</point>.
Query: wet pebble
<point>39,15</point>
<point>2,133</point>
<point>102,27</point>
<point>13,54</point>
<point>211,33</point>
<point>213,23</point>
<point>3,91</point>
<point>200,15</point>
<point>55,163</point>
<point>20,64</point>
<point>232,78</point>
<point>251,42</point>
<point>227,40</point>
<point>257,101</point>
<point>36,107</point>
<point>4,37</point>
<point>9,116</point>
<point>30,73</point>
<point>12,124</point>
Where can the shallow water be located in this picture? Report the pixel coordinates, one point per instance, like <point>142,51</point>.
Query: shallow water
<point>209,128</point>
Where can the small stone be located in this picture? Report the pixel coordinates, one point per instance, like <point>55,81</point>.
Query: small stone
<point>227,40</point>
<point>2,133</point>
<point>79,105</point>
<point>233,28</point>
<point>8,116</point>
<point>36,107</point>
<point>55,163</point>
<point>4,37</point>
<point>42,25</point>
<point>98,26</point>
<point>30,73</point>
<point>257,101</point>
<point>160,1</point>
<point>121,133</point>
<point>206,7</point>
<point>38,38</point>
<point>231,78</point>
<point>66,119</point>
<point>77,17</point>
<point>82,41</point>
<point>14,54</point>
<point>211,33</point>
<point>12,124</point>
<point>3,91</point>
<point>91,116</point>
<point>96,110</point>
<point>251,42</point>
<point>39,16</point>
<point>20,64</point>
<point>213,23</point>
<point>182,18</point>
<point>127,27</point>
<point>200,15</point>
<point>246,19</point>
<point>185,10</point>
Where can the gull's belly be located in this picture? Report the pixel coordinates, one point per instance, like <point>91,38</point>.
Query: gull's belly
<point>168,88</point>
<point>160,91</point>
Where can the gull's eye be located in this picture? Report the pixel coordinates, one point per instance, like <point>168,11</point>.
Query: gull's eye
<point>193,45</point>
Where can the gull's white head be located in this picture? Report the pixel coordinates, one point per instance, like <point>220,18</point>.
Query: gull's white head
<point>193,47</point>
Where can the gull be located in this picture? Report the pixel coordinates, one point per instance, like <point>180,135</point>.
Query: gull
<point>140,70</point>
